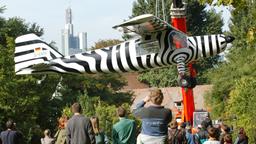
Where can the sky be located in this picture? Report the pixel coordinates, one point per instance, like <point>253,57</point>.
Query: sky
<point>96,17</point>
<point>92,16</point>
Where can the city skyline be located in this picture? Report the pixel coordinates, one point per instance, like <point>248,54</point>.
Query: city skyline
<point>94,17</point>
<point>70,42</point>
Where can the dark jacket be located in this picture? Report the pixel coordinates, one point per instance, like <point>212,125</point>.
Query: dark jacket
<point>79,130</point>
<point>11,137</point>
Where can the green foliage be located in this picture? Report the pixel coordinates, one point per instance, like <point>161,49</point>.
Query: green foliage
<point>149,7</point>
<point>105,43</point>
<point>241,104</point>
<point>234,3</point>
<point>160,77</point>
<point>240,60</point>
<point>199,22</point>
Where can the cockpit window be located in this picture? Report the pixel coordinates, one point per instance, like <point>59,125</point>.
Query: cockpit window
<point>144,48</point>
<point>177,40</point>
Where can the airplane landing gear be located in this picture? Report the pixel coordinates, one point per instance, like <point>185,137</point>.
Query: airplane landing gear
<point>186,81</point>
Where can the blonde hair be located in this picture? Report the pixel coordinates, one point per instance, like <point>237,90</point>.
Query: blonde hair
<point>62,121</point>
<point>95,124</point>
<point>156,96</point>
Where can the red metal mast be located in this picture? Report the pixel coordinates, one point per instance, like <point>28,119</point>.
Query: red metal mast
<point>178,20</point>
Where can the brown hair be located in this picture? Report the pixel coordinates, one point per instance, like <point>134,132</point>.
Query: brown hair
<point>76,108</point>
<point>213,132</point>
<point>225,128</point>
<point>95,124</point>
<point>62,121</point>
<point>228,138</point>
<point>156,96</point>
<point>121,112</point>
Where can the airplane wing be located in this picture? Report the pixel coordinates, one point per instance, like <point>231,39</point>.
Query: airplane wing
<point>146,24</point>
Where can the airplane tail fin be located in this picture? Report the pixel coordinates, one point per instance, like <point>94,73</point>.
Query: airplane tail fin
<point>30,51</point>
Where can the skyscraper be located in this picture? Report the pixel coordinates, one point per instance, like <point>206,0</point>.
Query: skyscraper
<point>72,44</point>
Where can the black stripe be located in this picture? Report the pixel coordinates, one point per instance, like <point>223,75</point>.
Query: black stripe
<point>155,60</point>
<point>197,47</point>
<point>118,58</point>
<point>158,37</point>
<point>192,49</point>
<point>175,56</point>
<point>35,42</point>
<point>191,54</point>
<point>217,44</point>
<point>210,45</point>
<point>148,61</point>
<point>137,40</point>
<point>85,64</point>
<point>127,54</point>
<point>44,58</point>
<point>140,63</point>
<point>65,68</point>
<point>52,55</point>
<point>109,59</point>
<point>166,39</point>
<point>23,53</point>
<point>168,57</point>
<point>203,46</point>
<point>97,58</point>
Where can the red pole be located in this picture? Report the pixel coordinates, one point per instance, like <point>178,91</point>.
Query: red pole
<point>178,21</point>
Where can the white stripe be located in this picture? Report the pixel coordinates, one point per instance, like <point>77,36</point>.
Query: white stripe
<point>27,37</point>
<point>152,62</point>
<point>91,61</point>
<point>166,55</point>
<point>214,44</point>
<point>206,46</point>
<point>114,59</point>
<point>25,71</point>
<point>192,44</point>
<point>27,63</point>
<point>28,47</point>
<point>103,62</point>
<point>123,57</point>
<point>133,55</point>
<point>30,56</point>
<point>199,46</point>
<point>144,61</point>
<point>58,69</point>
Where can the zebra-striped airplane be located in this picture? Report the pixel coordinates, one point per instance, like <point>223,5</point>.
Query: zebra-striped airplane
<point>155,44</point>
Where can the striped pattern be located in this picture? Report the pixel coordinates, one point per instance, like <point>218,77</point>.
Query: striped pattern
<point>119,58</point>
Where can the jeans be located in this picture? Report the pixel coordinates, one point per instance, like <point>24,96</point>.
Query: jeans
<point>147,139</point>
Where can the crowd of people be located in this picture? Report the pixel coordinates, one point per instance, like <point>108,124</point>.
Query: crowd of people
<point>157,127</point>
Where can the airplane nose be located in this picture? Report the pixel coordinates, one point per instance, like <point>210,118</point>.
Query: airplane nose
<point>229,39</point>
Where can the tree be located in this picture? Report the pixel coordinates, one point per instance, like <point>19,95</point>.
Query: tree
<point>241,106</point>
<point>235,3</point>
<point>200,22</point>
<point>240,60</point>
<point>22,98</point>
<point>105,43</point>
